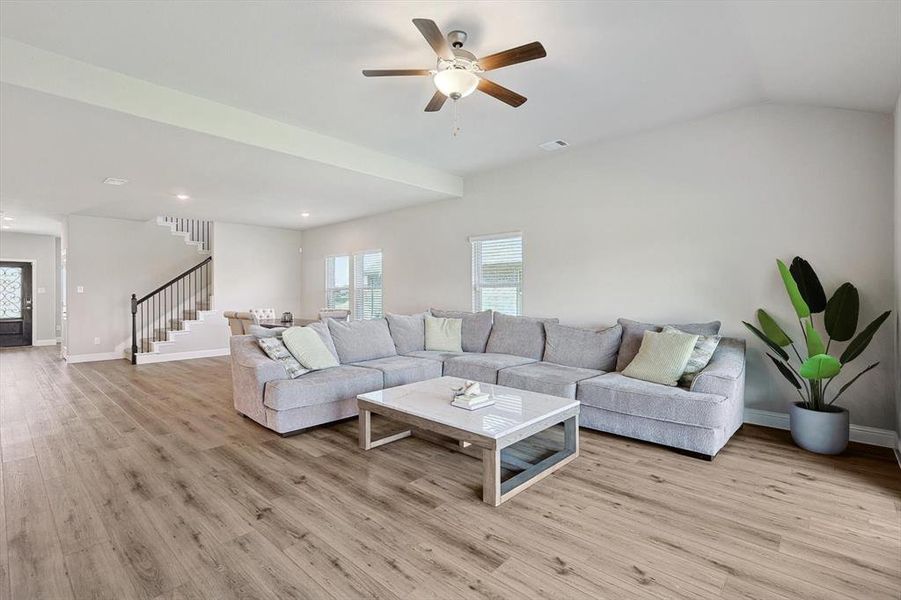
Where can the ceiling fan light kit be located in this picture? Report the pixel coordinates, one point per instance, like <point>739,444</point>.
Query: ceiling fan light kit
<point>459,72</point>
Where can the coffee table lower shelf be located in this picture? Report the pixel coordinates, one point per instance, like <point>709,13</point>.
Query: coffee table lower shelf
<point>495,491</point>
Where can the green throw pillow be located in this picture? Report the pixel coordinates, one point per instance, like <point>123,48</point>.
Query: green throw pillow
<point>662,357</point>
<point>443,334</point>
<point>276,350</point>
<point>700,356</point>
<point>308,348</point>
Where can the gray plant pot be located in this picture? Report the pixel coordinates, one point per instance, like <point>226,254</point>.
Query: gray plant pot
<point>823,432</point>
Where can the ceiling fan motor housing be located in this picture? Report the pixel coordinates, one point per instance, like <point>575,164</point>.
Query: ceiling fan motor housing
<point>456,38</point>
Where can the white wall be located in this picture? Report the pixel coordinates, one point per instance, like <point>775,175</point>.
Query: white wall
<point>256,267</point>
<point>112,259</point>
<point>898,270</point>
<point>43,250</point>
<point>678,224</point>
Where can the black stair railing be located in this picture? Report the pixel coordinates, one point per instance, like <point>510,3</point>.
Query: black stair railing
<point>197,230</point>
<point>168,306</point>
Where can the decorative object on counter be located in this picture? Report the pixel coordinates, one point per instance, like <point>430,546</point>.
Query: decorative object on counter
<point>817,425</point>
<point>287,317</point>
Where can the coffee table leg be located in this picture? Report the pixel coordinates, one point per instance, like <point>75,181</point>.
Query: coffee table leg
<point>491,477</point>
<point>495,491</point>
<point>365,429</point>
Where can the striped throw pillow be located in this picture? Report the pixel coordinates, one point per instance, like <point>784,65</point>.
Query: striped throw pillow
<point>276,350</point>
<point>700,356</point>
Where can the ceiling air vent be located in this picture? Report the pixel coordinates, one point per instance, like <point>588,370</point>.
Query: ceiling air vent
<point>553,145</point>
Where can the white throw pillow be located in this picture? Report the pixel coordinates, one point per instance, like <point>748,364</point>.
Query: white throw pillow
<point>442,334</point>
<point>662,357</point>
<point>308,348</point>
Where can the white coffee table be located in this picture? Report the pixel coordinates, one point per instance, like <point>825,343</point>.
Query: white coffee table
<point>516,415</point>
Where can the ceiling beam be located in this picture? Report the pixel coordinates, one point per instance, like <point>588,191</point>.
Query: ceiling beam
<point>30,67</point>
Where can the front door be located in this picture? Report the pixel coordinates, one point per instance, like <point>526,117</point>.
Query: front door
<point>15,304</point>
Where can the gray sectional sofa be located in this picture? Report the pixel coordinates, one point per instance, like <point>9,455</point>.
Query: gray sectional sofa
<point>520,352</point>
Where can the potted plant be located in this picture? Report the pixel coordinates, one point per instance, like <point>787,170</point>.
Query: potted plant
<point>816,423</point>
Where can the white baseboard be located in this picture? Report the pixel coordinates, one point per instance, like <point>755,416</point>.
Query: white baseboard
<point>50,342</point>
<point>873,436</point>
<point>147,358</point>
<point>80,358</point>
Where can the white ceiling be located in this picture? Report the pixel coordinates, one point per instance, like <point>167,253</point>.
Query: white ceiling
<point>612,68</point>
<point>55,154</point>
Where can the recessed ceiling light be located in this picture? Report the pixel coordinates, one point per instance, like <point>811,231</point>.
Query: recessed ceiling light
<point>553,145</point>
<point>115,181</point>
<point>5,226</point>
<point>183,196</point>
<point>304,214</point>
<point>9,218</point>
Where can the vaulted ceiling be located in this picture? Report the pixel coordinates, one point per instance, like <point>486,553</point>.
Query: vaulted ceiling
<point>339,145</point>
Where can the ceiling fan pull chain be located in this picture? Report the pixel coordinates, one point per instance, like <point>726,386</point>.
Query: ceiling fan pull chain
<point>456,129</point>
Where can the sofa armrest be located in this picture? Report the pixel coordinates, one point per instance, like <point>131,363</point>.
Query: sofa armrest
<point>251,371</point>
<point>725,372</point>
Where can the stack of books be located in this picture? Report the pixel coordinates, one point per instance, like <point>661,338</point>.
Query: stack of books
<point>472,401</point>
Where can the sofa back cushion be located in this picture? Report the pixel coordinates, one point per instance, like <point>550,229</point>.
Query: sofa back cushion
<point>582,348</point>
<point>321,328</point>
<point>407,331</point>
<point>357,341</point>
<point>475,330</point>
<point>520,336</point>
<point>308,348</point>
<point>633,332</point>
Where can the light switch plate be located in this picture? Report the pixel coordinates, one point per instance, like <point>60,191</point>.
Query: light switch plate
<point>42,290</point>
<point>79,289</point>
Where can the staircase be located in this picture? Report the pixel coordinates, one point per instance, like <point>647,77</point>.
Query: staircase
<point>195,232</point>
<point>176,321</point>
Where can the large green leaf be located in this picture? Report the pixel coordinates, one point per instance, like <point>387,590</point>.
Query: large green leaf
<point>809,285</point>
<point>772,329</point>
<point>786,372</point>
<point>794,294</point>
<point>815,343</point>
<point>773,345</point>
<point>820,366</point>
<point>841,313</point>
<point>856,377</point>
<point>860,343</point>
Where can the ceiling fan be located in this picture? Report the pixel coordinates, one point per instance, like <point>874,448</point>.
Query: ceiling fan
<point>458,72</point>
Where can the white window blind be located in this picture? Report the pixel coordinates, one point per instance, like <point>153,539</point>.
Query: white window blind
<point>497,273</point>
<point>368,285</point>
<point>337,282</point>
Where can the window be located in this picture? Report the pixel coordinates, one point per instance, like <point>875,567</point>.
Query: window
<point>364,298</point>
<point>367,299</point>
<point>337,282</point>
<point>497,273</point>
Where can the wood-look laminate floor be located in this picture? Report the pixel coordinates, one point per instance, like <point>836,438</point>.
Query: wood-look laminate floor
<point>142,482</point>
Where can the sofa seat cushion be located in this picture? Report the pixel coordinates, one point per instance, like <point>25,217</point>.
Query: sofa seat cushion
<point>618,393</point>
<point>401,370</point>
<point>482,367</point>
<point>438,355</point>
<point>319,387</point>
<point>546,378</point>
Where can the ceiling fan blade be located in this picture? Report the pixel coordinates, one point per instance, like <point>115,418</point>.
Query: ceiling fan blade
<point>434,37</point>
<point>513,56</point>
<point>436,102</point>
<point>394,72</point>
<point>501,93</point>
